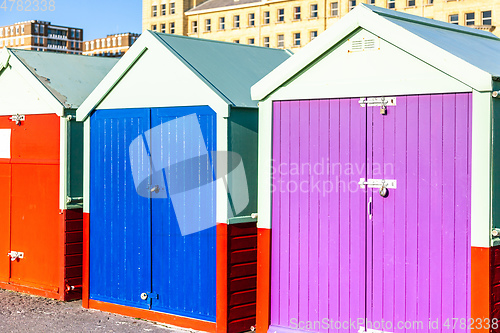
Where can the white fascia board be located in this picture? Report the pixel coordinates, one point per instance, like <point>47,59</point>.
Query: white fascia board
<point>63,162</point>
<point>304,57</point>
<point>114,76</point>
<point>37,86</point>
<point>362,17</point>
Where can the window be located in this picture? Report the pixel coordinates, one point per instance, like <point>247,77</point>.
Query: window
<point>154,11</point>
<point>119,41</point>
<point>486,17</point>
<point>72,45</point>
<point>72,34</point>
<point>410,3</point>
<point>153,27</point>
<point>352,4</point>
<point>172,27</point>
<point>266,17</point>
<point>236,21</point>
<point>281,15</point>
<point>251,41</point>
<point>314,10</point>
<point>430,2</point>
<point>266,42</point>
<point>163,28</point>
<point>334,9</point>
<point>237,41</point>
<point>371,2</point>
<point>296,39</point>
<point>313,34</point>
<point>194,26</point>
<point>163,9</point>
<point>109,42</point>
<point>251,19</point>
<point>36,28</point>
<point>222,23</point>
<point>391,4</point>
<point>469,19</point>
<point>281,41</point>
<point>453,19</point>
<point>77,33</point>
<point>296,13</point>
<point>35,40</point>
<point>172,8</point>
<point>208,25</point>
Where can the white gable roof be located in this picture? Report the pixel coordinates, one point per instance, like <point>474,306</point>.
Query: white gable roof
<point>468,55</point>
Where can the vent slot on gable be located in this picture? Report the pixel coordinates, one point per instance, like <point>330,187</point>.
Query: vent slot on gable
<point>364,44</point>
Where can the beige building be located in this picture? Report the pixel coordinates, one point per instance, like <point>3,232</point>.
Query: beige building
<point>111,46</point>
<point>294,23</point>
<point>41,36</point>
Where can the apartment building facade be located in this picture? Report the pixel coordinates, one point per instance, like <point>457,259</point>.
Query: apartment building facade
<point>294,23</point>
<point>42,36</point>
<point>112,46</point>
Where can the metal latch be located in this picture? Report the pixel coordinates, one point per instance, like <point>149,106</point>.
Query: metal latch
<point>145,296</point>
<point>378,183</point>
<point>383,102</point>
<point>18,118</point>
<point>15,255</point>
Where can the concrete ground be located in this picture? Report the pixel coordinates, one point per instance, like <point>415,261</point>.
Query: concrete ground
<point>26,313</point>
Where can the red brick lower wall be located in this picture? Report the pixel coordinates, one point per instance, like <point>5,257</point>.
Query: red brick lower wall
<point>242,276</point>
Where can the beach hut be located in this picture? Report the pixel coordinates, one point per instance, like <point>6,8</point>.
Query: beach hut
<point>378,179</point>
<point>154,128</point>
<point>41,160</point>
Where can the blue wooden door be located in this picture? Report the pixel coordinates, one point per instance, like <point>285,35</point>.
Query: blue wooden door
<point>184,258</point>
<point>152,202</point>
<point>120,219</point>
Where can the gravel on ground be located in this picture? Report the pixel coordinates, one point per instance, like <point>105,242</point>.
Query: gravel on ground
<point>26,313</point>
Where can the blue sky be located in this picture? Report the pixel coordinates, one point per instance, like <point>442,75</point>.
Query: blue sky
<point>98,18</point>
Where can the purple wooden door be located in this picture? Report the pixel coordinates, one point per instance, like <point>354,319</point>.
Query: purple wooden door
<point>418,240</point>
<point>337,264</point>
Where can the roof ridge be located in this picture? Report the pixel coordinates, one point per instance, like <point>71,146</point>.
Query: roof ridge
<point>427,21</point>
<point>216,41</point>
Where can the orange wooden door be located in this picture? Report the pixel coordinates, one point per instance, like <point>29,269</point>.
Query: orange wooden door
<point>35,228</point>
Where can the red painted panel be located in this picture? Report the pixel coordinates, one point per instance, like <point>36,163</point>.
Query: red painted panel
<point>263,280</point>
<point>85,251</point>
<point>35,224</point>
<point>5,171</point>
<point>36,139</point>
<point>494,282</point>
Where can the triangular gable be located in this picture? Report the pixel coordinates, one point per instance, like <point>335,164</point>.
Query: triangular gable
<point>363,17</point>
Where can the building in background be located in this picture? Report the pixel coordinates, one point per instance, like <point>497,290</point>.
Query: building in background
<point>294,23</point>
<point>111,46</point>
<point>41,36</point>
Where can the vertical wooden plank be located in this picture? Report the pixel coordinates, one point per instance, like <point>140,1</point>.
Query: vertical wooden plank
<point>334,272</point>
<point>285,215</point>
<point>436,203</point>
<point>387,168</point>
<point>303,202</point>
<point>423,241</point>
<point>369,315</point>
<point>462,205</point>
<point>412,217</point>
<point>314,213</point>
<point>448,248</point>
<point>295,207</point>
<point>400,229</point>
<point>276,214</point>
<point>345,210</point>
<point>357,206</point>
<point>324,218</point>
<point>378,220</point>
